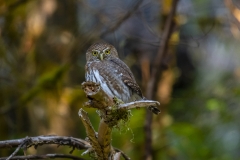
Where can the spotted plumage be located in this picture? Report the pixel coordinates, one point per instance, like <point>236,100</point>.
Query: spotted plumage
<point>115,77</point>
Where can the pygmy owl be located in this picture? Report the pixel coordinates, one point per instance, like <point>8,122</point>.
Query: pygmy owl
<point>115,78</point>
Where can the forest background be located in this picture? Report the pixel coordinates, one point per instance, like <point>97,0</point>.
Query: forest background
<point>42,57</point>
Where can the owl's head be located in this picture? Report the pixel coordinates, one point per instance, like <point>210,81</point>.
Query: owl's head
<point>101,51</point>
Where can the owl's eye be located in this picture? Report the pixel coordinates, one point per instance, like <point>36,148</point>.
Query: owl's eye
<point>95,53</point>
<point>107,51</point>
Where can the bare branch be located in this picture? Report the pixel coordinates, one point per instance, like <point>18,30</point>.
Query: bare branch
<point>156,72</point>
<point>43,157</point>
<point>92,135</point>
<point>124,18</point>
<point>138,104</point>
<point>101,141</point>
<point>117,156</point>
<point>93,35</point>
<point>43,140</point>
<point>123,154</point>
<point>105,138</point>
<point>99,99</point>
<point>17,149</point>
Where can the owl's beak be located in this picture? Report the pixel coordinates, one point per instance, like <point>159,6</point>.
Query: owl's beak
<point>101,56</point>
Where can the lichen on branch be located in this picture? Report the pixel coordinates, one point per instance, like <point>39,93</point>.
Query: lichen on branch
<point>112,111</point>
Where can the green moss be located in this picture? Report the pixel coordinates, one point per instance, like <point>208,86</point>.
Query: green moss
<point>115,117</point>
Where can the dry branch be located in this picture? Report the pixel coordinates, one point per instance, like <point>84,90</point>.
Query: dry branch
<point>92,135</point>
<point>43,140</point>
<point>17,149</point>
<point>117,156</point>
<point>98,98</point>
<point>122,19</point>
<point>28,142</point>
<point>138,104</point>
<point>104,138</point>
<point>101,141</point>
<point>111,110</point>
<point>156,73</point>
<point>46,156</point>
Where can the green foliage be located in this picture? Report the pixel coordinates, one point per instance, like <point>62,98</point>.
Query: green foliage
<point>49,81</point>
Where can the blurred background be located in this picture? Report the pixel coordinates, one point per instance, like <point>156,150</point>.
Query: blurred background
<point>42,59</point>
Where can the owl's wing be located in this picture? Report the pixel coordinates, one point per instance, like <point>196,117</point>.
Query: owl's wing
<point>129,80</point>
<point>127,76</point>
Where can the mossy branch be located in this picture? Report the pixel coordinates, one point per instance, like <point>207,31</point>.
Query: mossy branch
<point>111,111</point>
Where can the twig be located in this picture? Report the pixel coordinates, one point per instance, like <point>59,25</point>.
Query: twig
<point>41,140</point>
<point>93,35</point>
<point>123,154</point>
<point>117,156</point>
<point>156,72</point>
<point>124,18</point>
<point>17,149</point>
<point>43,157</point>
<point>138,104</point>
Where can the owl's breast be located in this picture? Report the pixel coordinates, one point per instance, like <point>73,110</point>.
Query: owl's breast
<point>110,78</point>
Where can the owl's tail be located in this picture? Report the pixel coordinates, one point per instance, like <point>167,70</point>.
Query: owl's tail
<point>154,109</point>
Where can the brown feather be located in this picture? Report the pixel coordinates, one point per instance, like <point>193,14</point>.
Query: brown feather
<point>128,78</point>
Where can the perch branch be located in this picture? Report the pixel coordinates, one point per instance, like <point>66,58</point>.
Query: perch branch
<point>111,111</point>
<point>99,99</point>
<point>138,104</point>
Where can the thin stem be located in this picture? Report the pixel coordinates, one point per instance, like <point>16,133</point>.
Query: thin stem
<point>46,156</point>
<point>156,73</point>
